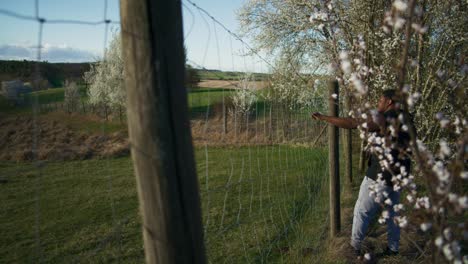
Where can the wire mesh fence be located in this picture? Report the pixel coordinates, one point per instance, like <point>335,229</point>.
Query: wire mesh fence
<point>69,192</point>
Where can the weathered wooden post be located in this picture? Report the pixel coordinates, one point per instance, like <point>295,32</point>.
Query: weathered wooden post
<point>362,157</point>
<point>334,163</point>
<point>159,131</point>
<point>224,116</point>
<point>348,147</point>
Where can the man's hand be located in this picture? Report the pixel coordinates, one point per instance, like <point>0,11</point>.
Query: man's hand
<point>317,116</point>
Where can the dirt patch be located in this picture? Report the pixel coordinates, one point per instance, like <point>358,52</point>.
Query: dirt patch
<point>230,84</point>
<point>243,131</point>
<point>24,138</point>
<point>59,136</point>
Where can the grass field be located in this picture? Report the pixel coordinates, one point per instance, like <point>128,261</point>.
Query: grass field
<point>260,205</point>
<point>199,99</point>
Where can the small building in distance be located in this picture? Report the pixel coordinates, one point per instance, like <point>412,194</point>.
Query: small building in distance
<point>14,91</point>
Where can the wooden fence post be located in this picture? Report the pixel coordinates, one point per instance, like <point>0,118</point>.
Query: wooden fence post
<point>224,117</point>
<point>271,123</point>
<point>159,131</point>
<point>120,114</point>
<point>334,163</point>
<point>348,147</point>
<point>362,157</point>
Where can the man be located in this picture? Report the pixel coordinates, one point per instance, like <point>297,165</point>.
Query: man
<point>366,207</point>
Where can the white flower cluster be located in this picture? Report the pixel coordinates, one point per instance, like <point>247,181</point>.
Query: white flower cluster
<point>318,16</point>
<point>459,124</point>
<point>422,202</point>
<point>106,78</point>
<point>413,99</point>
<point>245,96</point>
<point>449,247</point>
<point>324,15</point>
<point>361,71</point>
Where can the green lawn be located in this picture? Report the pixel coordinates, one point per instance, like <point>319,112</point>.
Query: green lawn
<point>265,204</point>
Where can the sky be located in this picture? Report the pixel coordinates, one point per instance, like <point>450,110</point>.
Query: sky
<point>208,45</point>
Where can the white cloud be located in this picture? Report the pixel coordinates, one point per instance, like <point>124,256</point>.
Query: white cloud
<point>51,53</point>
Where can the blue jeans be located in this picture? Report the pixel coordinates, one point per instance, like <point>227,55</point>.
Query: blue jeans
<point>365,210</point>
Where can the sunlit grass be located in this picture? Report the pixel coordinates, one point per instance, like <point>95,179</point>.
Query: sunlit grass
<point>260,204</point>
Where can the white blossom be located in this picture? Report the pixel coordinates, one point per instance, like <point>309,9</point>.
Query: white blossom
<point>409,198</point>
<point>358,84</point>
<point>106,78</point>
<point>402,221</point>
<point>444,148</point>
<point>425,226</point>
<point>447,234</point>
<point>448,252</point>
<point>444,123</point>
<point>463,202</point>
<point>439,241</point>
<point>418,28</point>
<point>452,197</point>
<point>399,23</point>
<point>245,96</point>
<point>388,201</point>
<point>346,66</point>
<point>422,202</point>
<point>464,175</point>
<point>400,5</point>
<point>384,216</point>
<point>398,207</point>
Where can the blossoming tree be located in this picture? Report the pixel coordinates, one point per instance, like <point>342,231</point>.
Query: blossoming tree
<point>417,48</point>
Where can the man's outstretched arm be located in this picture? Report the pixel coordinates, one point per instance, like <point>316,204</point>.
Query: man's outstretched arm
<point>341,122</point>
<point>348,122</point>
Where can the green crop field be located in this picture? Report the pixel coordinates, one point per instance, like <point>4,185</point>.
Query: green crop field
<point>228,75</point>
<point>257,203</point>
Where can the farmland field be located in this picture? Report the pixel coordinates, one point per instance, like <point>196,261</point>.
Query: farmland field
<point>258,203</point>
<point>198,98</point>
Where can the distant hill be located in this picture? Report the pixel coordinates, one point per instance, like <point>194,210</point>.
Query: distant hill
<point>57,73</point>
<point>54,73</point>
<point>207,74</point>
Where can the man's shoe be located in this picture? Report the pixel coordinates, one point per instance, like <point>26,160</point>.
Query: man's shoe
<point>357,253</point>
<point>388,252</point>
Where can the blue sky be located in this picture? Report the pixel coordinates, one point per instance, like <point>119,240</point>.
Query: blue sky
<point>70,43</point>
